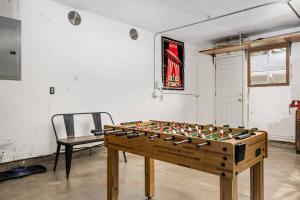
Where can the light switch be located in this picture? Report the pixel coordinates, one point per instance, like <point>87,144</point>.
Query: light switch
<point>52,90</point>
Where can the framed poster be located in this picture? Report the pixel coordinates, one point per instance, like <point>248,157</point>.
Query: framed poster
<point>172,64</point>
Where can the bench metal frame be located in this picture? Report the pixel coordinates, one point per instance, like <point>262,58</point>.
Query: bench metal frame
<point>69,127</point>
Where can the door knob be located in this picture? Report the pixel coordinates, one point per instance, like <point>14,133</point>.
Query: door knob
<point>240,100</point>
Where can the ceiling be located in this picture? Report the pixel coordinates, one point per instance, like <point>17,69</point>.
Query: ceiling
<point>160,15</point>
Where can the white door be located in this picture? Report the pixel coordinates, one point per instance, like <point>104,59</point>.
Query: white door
<point>229,90</point>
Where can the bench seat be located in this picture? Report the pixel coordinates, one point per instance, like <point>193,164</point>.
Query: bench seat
<point>81,140</point>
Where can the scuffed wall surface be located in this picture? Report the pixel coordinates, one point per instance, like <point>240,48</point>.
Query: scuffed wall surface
<point>94,67</point>
<point>269,111</point>
<point>269,106</point>
<point>10,8</point>
<point>7,150</point>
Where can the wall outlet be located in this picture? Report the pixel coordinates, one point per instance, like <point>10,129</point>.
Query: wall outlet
<point>52,90</point>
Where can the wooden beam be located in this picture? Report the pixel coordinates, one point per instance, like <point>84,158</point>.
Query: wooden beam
<point>228,188</point>
<point>149,177</point>
<point>226,49</point>
<point>112,174</point>
<point>295,37</point>
<point>257,181</point>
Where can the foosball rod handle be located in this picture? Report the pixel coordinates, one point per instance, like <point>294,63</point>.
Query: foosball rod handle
<point>121,133</point>
<point>203,144</point>
<point>244,136</point>
<point>134,134</point>
<point>152,137</point>
<point>115,132</point>
<point>183,141</point>
<point>97,132</point>
<point>169,138</point>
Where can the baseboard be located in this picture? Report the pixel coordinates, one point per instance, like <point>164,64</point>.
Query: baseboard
<point>47,159</point>
<point>281,138</point>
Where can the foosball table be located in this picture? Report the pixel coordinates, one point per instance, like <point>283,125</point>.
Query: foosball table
<point>222,151</point>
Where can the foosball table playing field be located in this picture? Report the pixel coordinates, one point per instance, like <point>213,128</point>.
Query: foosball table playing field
<point>222,151</point>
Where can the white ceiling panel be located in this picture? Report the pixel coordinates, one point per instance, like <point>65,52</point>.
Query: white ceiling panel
<point>296,5</point>
<point>250,22</point>
<point>160,15</point>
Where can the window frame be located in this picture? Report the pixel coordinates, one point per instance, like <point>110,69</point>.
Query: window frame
<point>287,46</point>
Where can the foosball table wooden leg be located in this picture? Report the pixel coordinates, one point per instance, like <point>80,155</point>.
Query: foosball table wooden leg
<point>112,174</point>
<point>149,177</point>
<point>257,181</point>
<point>228,188</point>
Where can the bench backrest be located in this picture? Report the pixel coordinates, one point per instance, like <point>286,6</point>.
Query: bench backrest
<point>69,121</point>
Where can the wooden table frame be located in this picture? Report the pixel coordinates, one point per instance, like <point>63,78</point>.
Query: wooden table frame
<point>256,151</point>
<point>228,186</point>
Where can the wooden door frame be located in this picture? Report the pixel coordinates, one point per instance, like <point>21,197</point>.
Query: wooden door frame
<point>243,54</point>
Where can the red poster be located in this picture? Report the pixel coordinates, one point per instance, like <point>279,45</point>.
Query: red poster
<point>172,64</point>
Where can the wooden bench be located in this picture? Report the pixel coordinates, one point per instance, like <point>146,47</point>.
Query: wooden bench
<point>72,140</point>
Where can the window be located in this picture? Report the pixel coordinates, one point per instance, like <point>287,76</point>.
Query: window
<point>269,66</point>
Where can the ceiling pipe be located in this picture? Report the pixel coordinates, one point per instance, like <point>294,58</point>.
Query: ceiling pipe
<point>279,28</point>
<point>293,9</point>
<point>200,22</point>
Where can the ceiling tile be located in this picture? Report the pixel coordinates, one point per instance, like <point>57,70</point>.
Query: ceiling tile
<point>159,15</point>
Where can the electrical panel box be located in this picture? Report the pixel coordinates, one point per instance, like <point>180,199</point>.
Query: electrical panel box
<point>10,49</point>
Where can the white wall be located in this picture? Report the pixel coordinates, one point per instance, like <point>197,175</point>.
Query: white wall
<point>269,106</point>
<point>295,70</point>
<point>266,108</point>
<point>94,67</point>
<point>269,111</point>
<point>205,89</point>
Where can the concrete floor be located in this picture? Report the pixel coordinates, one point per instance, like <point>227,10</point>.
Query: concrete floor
<point>88,180</point>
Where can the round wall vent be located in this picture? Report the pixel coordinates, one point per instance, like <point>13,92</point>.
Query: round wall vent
<point>74,18</point>
<point>133,34</point>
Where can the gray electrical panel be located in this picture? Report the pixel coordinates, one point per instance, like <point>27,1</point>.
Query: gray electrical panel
<point>10,49</point>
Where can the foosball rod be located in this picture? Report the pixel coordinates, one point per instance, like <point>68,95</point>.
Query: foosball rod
<point>159,128</point>
<point>142,124</point>
<point>244,134</point>
<point>189,140</point>
<point>219,132</point>
<point>208,130</point>
<point>153,126</point>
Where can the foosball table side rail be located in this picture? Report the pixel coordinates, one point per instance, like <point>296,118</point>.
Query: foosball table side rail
<point>220,158</point>
<point>256,149</point>
<point>210,161</point>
